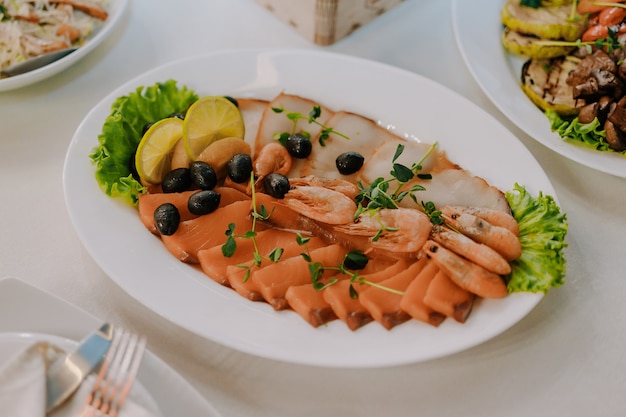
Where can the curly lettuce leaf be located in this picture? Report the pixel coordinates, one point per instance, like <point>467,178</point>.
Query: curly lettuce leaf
<point>542,234</point>
<point>588,134</point>
<point>122,130</point>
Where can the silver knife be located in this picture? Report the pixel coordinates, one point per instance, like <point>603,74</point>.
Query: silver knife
<point>66,374</point>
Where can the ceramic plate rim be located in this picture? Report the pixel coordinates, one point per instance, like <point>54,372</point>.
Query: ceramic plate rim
<point>24,339</point>
<point>303,344</point>
<point>32,310</point>
<point>116,12</point>
<point>497,73</point>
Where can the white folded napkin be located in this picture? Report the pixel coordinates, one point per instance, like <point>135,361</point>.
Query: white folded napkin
<point>23,387</point>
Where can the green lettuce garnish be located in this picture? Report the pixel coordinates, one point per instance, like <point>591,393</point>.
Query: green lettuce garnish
<point>122,130</point>
<point>588,134</point>
<point>542,234</point>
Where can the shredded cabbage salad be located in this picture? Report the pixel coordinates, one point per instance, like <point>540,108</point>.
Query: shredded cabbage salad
<point>33,27</point>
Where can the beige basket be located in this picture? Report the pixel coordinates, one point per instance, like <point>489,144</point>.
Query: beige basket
<point>326,21</point>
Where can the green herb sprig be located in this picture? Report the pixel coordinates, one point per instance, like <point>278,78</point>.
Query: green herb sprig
<point>312,117</point>
<point>608,44</point>
<point>377,196</point>
<point>230,246</point>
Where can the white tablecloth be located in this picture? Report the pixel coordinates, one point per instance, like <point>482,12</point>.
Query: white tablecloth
<point>565,359</point>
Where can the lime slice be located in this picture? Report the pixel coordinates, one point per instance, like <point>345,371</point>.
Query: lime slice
<point>209,119</point>
<point>154,152</point>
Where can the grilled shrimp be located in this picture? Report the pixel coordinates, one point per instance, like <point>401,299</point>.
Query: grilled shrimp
<point>321,204</point>
<point>499,238</point>
<point>395,230</point>
<point>476,252</point>
<point>466,274</point>
<point>273,158</point>
<point>344,187</point>
<point>493,216</point>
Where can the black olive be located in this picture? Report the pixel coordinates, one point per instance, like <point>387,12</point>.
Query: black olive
<point>232,100</point>
<point>276,185</point>
<point>240,167</point>
<point>203,202</point>
<point>145,128</point>
<point>133,166</point>
<point>167,219</point>
<point>349,162</point>
<point>299,146</point>
<point>178,115</point>
<point>176,181</point>
<point>202,175</point>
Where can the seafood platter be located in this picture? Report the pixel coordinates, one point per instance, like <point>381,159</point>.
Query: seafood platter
<point>314,223</point>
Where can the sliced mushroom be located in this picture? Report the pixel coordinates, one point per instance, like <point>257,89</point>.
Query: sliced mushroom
<point>589,112</point>
<point>589,88</point>
<point>617,114</point>
<point>608,82</point>
<point>614,137</point>
<point>598,60</point>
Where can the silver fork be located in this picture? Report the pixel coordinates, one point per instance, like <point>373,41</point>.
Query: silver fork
<point>117,374</point>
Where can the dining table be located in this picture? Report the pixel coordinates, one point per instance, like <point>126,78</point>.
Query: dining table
<point>564,358</point>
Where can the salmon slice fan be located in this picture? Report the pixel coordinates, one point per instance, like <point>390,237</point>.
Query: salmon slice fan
<point>310,304</point>
<point>379,276</point>
<point>350,310</point>
<point>207,231</point>
<point>413,299</point>
<point>445,296</point>
<point>248,287</point>
<point>347,309</point>
<point>383,304</point>
<point>241,279</point>
<point>148,203</point>
<point>214,262</point>
<point>274,280</point>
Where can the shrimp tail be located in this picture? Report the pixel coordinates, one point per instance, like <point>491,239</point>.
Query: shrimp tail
<point>478,253</point>
<point>500,239</point>
<point>467,275</point>
<point>493,216</point>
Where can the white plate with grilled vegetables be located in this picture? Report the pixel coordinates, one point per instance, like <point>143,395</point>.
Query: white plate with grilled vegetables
<point>498,75</point>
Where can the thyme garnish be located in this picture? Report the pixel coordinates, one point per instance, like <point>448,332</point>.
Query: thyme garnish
<point>608,44</point>
<point>377,196</point>
<point>230,246</point>
<point>312,117</point>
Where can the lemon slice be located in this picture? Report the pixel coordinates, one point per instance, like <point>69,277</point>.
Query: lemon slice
<point>209,119</point>
<point>154,152</point>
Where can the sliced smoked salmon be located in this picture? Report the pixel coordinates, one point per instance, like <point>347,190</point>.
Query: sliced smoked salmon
<point>207,231</point>
<point>274,280</point>
<point>350,310</point>
<point>413,300</point>
<point>445,296</point>
<point>384,305</point>
<point>310,304</point>
<point>148,203</point>
<point>249,288</point>
<point>347,309</point>
<point>214,262</point>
